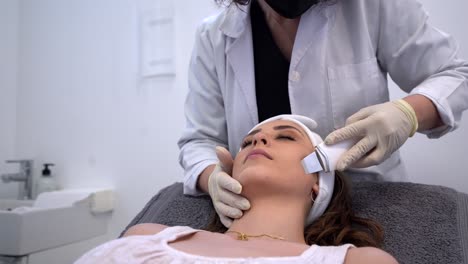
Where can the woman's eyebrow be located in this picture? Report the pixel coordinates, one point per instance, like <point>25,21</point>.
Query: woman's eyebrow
<point>253,132</point>
<point>287,127</point>
<point>281,127</point>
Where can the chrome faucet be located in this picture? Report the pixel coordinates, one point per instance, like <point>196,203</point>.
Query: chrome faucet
<point>25,175</point>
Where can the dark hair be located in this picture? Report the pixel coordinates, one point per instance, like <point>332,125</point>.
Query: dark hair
<point>338,225</point>
<point>245,2</point>
<point>229,2</point>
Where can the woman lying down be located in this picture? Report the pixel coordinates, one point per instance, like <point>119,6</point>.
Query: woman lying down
<point>294,217</point>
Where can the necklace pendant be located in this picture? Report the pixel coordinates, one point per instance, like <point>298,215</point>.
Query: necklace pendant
<point>242,237</point>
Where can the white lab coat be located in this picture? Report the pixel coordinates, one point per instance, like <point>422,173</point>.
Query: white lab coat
<point>340,60</point>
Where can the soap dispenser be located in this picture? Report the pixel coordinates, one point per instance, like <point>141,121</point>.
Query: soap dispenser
<point>47,182</point>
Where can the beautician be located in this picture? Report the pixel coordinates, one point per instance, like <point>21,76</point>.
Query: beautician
<point>327,60</point>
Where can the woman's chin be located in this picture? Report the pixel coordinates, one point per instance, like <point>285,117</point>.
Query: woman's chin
<point>256,177</point>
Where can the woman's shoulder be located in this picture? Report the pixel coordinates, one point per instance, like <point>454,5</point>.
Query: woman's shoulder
<point>377,10</point>
<point>401,4</point>
<point>213,22</point>
<point>364,255</point>
<point>144,229</point>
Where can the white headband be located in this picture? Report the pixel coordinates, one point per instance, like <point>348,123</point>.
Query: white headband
<point>326,179</point>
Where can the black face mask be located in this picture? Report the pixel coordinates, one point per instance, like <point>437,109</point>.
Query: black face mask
<point>291,8</point>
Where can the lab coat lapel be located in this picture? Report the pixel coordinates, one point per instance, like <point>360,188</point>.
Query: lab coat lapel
<point>311,32</point>
<point>239,52</point>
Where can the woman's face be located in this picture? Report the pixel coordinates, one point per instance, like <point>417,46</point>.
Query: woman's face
<point>271,156</point>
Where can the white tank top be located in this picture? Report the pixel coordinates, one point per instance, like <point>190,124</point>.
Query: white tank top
<point>155,249</point>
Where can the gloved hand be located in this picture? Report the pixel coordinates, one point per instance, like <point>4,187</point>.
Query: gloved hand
<point>224,190</point>
<point>383,128</point>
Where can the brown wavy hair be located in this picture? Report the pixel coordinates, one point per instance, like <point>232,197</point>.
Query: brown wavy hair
<point>338,225</point>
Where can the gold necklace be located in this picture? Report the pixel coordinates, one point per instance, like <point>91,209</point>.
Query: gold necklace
<point>245,237</point>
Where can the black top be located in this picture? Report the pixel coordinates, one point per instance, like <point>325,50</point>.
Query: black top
<point>271,69</point>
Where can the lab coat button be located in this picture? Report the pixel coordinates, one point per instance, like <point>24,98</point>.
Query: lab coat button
<point>295,76</point>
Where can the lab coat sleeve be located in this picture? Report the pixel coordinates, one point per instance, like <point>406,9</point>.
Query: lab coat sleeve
<point>423,60</point>
<point>204,112</point>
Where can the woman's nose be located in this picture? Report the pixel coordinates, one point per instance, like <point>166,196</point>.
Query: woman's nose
<point>260,138</point>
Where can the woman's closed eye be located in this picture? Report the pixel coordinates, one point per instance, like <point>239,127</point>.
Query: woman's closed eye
<point>247,142</point>
<point>285,137</point>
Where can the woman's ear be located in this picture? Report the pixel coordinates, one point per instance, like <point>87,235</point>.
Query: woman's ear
<point>315,188</point>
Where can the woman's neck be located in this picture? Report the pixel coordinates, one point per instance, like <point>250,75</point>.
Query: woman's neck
<point>282,29</point>
<point>277,217</point>
<point>280,20</point>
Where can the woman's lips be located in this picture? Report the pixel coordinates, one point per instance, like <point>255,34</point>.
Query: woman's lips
<point>258,152</point>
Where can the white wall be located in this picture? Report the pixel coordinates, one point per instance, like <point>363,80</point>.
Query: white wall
<point>443,161</point>
<point>8,87</point>
<point>82,105</point>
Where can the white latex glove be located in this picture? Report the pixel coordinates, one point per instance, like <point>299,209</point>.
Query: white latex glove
<point>224,190</point>
<point>382,128</point>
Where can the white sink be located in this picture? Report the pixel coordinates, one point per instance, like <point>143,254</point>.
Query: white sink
<point>40,227</point>
<point>8,205</point>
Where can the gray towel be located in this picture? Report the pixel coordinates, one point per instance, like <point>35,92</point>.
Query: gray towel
<point>463,223</point>
<point>422,223</point>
